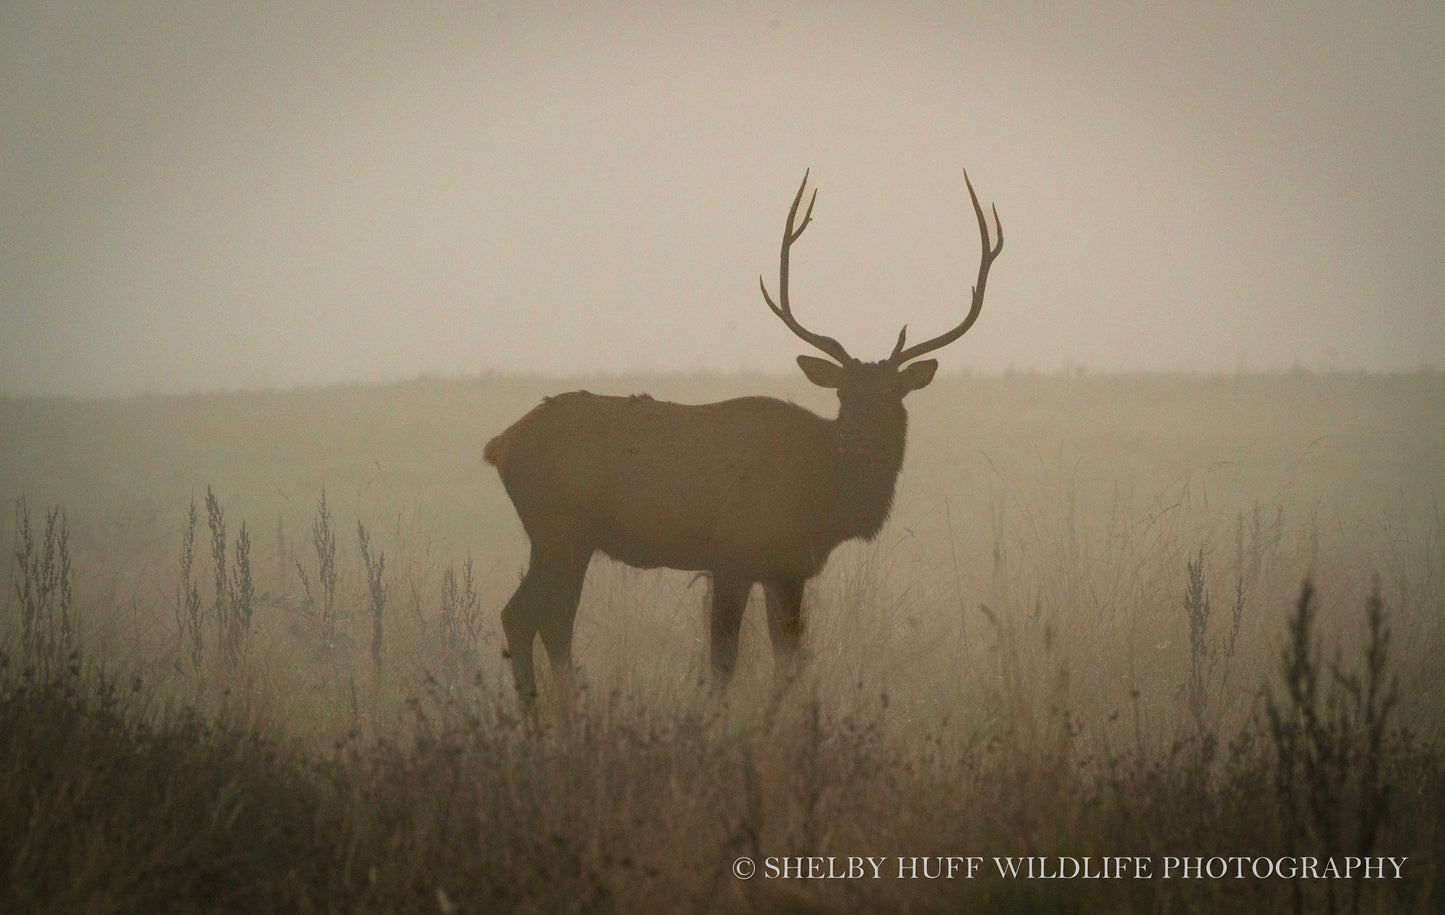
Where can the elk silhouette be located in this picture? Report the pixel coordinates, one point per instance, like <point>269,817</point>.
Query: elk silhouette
<point>752,490</point>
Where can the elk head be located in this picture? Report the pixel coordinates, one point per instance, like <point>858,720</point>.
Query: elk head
<point>870,394</point>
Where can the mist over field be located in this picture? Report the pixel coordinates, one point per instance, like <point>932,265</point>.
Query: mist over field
<point>1070,639</point>
<point>1164,573</point>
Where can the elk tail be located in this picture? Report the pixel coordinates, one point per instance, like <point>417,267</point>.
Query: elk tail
<point>496,450</point>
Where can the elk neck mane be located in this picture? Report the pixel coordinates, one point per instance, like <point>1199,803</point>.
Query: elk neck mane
<point>870,456</point>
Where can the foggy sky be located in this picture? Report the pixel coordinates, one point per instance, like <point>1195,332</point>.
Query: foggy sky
<point>206,196</point>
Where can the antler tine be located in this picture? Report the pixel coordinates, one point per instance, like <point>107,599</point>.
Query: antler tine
<point>783,309</point>
<point>990,252</point>
<point>898,347</point>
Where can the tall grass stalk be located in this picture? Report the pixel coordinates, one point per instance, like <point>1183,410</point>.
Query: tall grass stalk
<point>189,620</point>
<point>461,619</point>
<point>43,592</point>
<point>376,591</point>
<point>1331,737</point>
<point>220,606</point>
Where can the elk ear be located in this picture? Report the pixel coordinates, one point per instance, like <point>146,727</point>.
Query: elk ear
<point>917,375</point>
<point>821,372</point>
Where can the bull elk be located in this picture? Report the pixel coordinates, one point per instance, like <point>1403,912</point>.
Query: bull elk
<point>752,490</point>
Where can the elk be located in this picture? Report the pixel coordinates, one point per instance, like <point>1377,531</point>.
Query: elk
<point>754,490</point>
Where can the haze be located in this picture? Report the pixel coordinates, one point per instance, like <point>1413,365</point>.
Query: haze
<point>213,196</point>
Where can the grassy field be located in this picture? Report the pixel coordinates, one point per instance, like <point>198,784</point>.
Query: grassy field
<point>1083,634</point>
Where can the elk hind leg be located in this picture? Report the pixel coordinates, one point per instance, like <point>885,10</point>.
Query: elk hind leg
<point>541,605</point>
<point>785,627</point>
<point>520,626</point>
<point>559,613</point>
<point>729,600</point>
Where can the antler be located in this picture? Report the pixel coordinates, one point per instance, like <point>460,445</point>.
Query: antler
<point>901,355</point>
<point>785,312</point>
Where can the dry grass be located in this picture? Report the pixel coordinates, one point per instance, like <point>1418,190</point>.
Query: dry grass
<point>1087,639</point>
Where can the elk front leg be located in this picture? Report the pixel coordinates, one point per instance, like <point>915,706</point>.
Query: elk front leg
<point>785,627</point>
<point>729,599</point>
